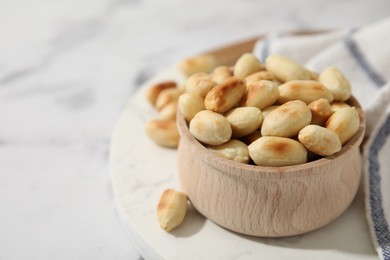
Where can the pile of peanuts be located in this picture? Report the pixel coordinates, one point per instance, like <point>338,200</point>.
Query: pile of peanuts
<point>273,114</point>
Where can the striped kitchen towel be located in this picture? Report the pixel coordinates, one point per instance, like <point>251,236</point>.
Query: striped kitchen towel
<point>363,55</point>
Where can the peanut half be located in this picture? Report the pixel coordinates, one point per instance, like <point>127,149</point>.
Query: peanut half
<point>336,82</point>
<point>189,105</point>
<point>319,140</point>
<point>246,65</point>
<point>154,91</point>
<point>261,75</point>
<point>169,111</point>
<point>337,105</point>
<point>320,111</point>
<point>233,150</point>
<point>163,132</point>
<point>260,94</point>
<point>167,96</point>
<point>210,128</point>
<point>305,90</point>
<point>202,63</point>
<point>345,123</point>
<point>221,73</point>
<point>244,120</point>
<point>284,69</point>
<point>199,84</point>
<point>171,209</point>
<point>277,151</point>
<point>225,96</point>
<point>286,120</point>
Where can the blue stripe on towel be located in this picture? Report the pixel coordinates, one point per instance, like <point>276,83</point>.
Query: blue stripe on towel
<point>265,50</point>
<point>362,61</point>
<point>381,227</point>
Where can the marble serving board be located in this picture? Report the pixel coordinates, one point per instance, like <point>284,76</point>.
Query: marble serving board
<point>141,171</point>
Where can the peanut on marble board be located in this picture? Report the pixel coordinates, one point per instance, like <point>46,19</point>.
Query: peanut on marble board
<point>171,209</point>
<point>250,108</point>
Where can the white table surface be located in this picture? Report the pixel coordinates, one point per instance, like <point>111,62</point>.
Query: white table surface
<point>67,68</point>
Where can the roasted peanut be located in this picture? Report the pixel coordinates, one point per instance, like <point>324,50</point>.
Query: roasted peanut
<point>285,69</point>
<point>244,120</point>
<point>210,128</point>
<point>319,140</point>
<point>202,63</point>
<point>154,91</point>
<point>171,209</point>
<point>221,73</point>
<point>336,82</point>
<point>233,150</point>
<point>260,94</point>
<point>304,90</point>
<point>261,75</point>
<point>320,111</point>
<point>167,96</point>
<point>337,105</point>
<point>189,105</point>
<point>199,84</point>
<point>169,111</point>
<point>345,123</point>
<point>277,151</point>
<point>286,120</point>
<point>225,96</point>
<point>163,132</point>
<point>246,65</point>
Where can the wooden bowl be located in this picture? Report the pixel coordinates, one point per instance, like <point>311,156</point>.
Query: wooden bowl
<point>269,201</point>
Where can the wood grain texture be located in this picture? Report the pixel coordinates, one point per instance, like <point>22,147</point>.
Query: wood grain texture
<point>268,201</point>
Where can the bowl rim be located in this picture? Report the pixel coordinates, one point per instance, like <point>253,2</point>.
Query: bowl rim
<point>234,169</point>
